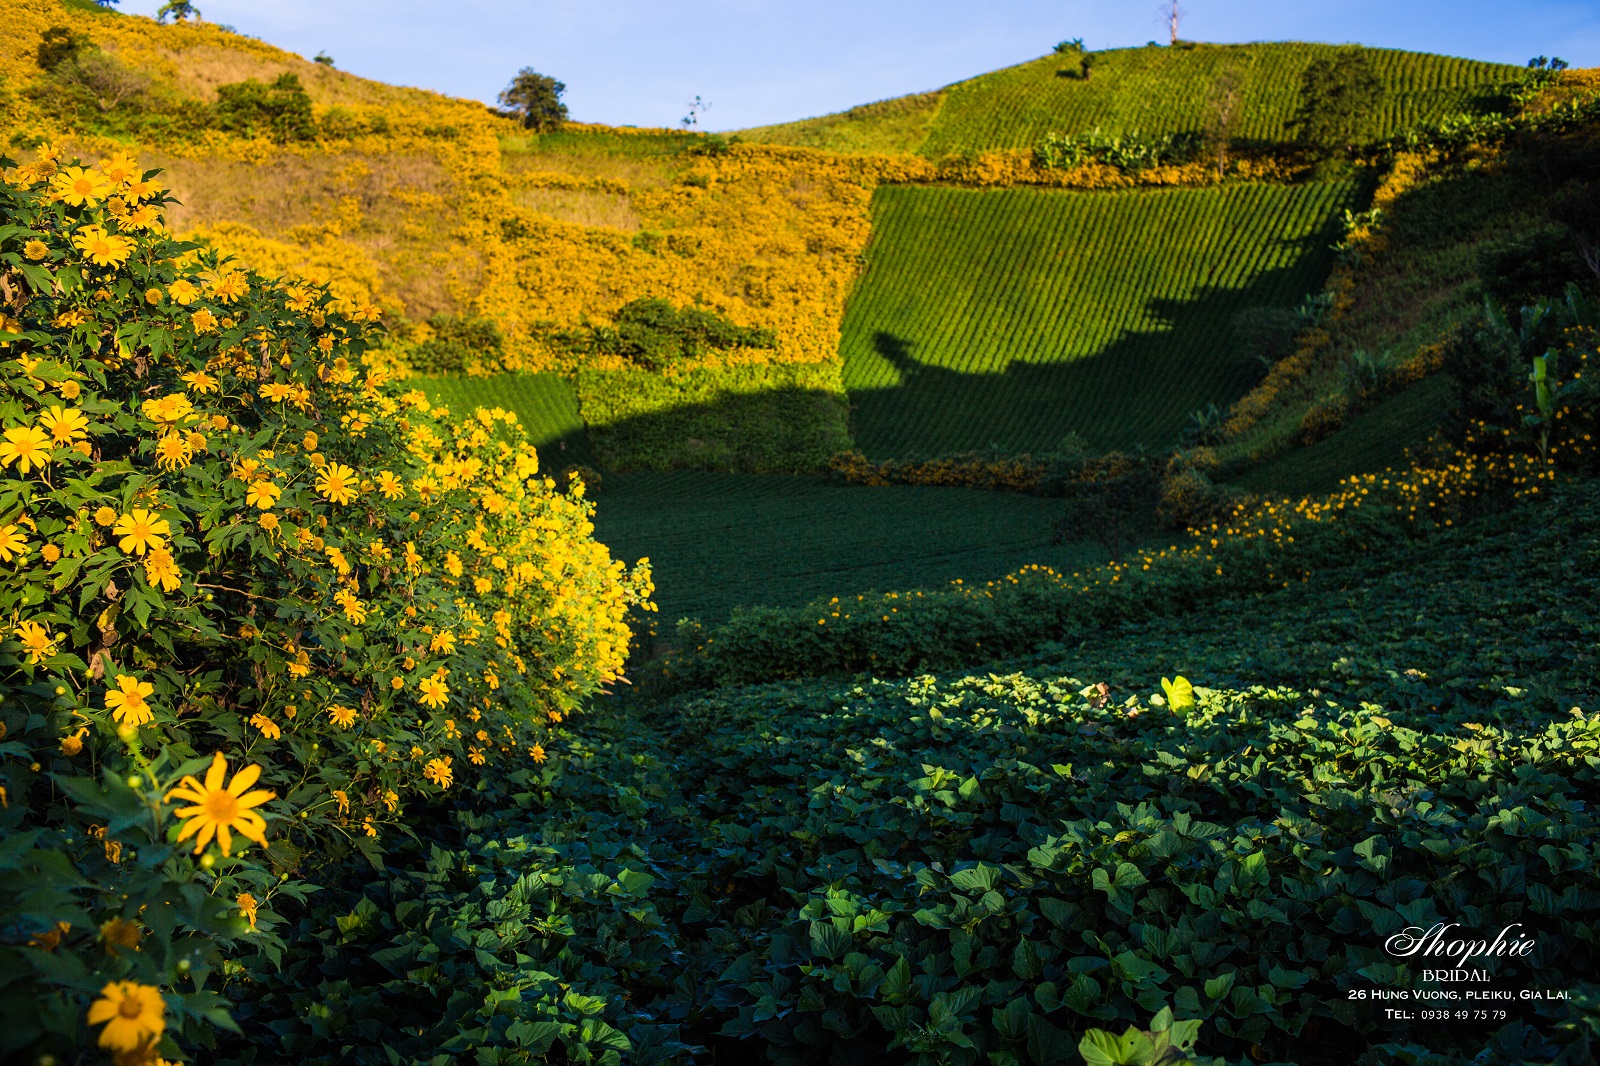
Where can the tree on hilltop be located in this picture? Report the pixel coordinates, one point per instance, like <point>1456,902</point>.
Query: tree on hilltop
<point>179,10</point>
<point>1337,94</point>
<point>536,99</point>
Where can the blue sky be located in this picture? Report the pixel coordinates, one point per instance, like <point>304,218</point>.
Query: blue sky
<point>639,62</point>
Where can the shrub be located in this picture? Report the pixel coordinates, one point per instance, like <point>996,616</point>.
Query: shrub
<point>458,342</point>
<point>536,99</point>
<point>231,546</point>
<point>655,335</point>
<point>280,110</point>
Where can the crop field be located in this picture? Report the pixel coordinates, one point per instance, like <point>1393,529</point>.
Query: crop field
<point>545,405</point>
<point>1014,317</point>
<point>717,541</point>
<point>1164,90</point>
<point>1151,90</point>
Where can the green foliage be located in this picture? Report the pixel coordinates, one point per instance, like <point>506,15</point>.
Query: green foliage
<point>58,45</point>
<point>719,541</point>
<point>1339,94</point>
<point>458,342</point>
<point>536,99</point>
<point>1011,317</point>
<point>653,334</point>
<point>280,109</point>
<point>987,868</point>
<point>1130,152</point>
<point>1166,90</point>
<point>753,418</point>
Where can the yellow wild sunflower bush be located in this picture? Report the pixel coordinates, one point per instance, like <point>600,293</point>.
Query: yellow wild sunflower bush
<point>256,602</point>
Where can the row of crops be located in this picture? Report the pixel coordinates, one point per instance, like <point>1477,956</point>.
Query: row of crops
<point>1014,317</point>
<point>1165,90</point>
<point>783,541</point>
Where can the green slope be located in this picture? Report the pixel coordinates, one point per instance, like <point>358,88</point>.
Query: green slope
<point>717,541</point>
<point>1153,90</point>
<point>545,405</point>
<point>1013,317</point>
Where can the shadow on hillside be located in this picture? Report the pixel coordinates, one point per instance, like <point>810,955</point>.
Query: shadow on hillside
<point>1139,390</point>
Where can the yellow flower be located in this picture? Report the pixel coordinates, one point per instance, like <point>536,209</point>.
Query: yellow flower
<point>105,516</point>
<point>161,569</point>
<point>174,407</point>
<point>36,641</point>
<point>120,169</point>
<point>1179,692</point>
<point>262,495</point>
<point>200,381</point>
<point>134,1015</point>
<point>36,249</point>
<point>69,390</point>
<point>309,441</point>
<point>248,908</point>
<point>119,934</point>
<point>183,293</point>
<point>475,755</point>
<point>434,691</point>
<point>268,727</point>
<point>203,321</point>
<point>337,483</point>
<point>102,248</point>
<point>391,487</point>
<point>342,798</point>
<point>438,771</point>
<point>64,424</point>
<point>343,717</point>
<point>73,744</point>
<point>173,451</point>
<point>218,810</point>
<point>354,609</point>
<point>27,446</point>
<point>268,522</point>
<point>50,553</point>
<point>12,542</point>
<point>536,753</point>
<point>275,392</point>
<point>127,703</point>
<point>141,529</point>
<point>152,296</point>
<point>78,187</point>
<point>229,287</point>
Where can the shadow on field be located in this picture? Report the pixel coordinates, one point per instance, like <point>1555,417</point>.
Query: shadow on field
<point>1137,391</point>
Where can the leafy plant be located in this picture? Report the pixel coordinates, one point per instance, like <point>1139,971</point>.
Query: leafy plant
<point>280,109</point>
<point>536,99</point>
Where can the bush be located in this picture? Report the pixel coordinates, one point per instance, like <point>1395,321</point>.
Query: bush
<point>280,110</point>
<point>458,342</point>
<point>655,335</point>
<point>232,546</point>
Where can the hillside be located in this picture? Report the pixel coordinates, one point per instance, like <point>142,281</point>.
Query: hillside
<point>1011,318</point>
<point>1151,90</point>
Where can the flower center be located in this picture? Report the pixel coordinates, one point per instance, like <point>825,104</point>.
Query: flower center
<point>131,1007</point>
<point>222,806</point>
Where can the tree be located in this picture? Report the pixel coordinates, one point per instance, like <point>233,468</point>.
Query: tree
<point>536,99</point>
<point>697,110</point>
<point>1172,15</point>
<point>180,10</point>
<point>1222,110</point>
<point>282,108</point>
<point>1337,93</point>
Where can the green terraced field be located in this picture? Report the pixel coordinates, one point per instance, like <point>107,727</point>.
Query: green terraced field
<point>545,404</point>
<point>1152,90</point>
<point>722,540</point>
<point>1013,317</point>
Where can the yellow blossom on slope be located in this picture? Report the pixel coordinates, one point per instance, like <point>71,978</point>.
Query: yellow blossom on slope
<point>127,703</point>
<point>141,529</point>
<point>337,483</point>
<point>27,446</point>
<point>79,187</point>
<point>221,811</point>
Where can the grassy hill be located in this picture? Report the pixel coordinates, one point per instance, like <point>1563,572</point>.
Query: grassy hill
<point>1150,90</point>
<point>1014,317</point>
